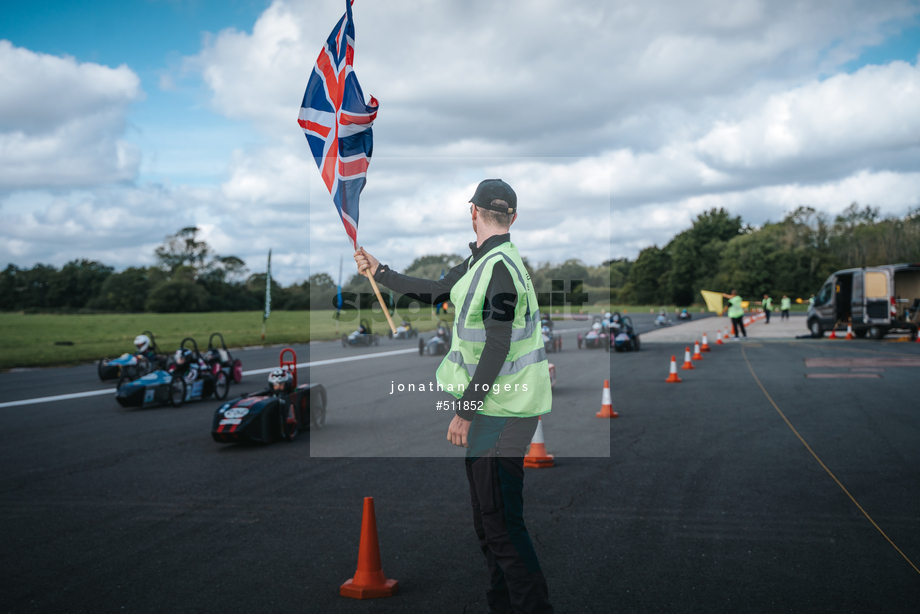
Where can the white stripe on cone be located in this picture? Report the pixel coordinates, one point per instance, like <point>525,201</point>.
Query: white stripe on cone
<point>686,358</point>
<point>674,366</point>
<point>696,348</point>
<point>538,434</point>
<point>605,398</point>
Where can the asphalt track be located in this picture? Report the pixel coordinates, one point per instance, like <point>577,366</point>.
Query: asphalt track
<point>708,501</point>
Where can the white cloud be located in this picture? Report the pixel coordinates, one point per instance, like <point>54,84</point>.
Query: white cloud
<point>653,111</point>
<point>61,122</point>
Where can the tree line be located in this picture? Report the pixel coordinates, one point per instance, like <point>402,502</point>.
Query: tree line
<point>793,256</point>
<point>718,252</point>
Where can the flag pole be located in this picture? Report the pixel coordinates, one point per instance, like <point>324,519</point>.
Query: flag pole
<point>386,308</point>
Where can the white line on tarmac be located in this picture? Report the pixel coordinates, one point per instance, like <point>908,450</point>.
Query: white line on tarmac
<point>92,393</point>
<point>60,397</point>
<point>333,361</point>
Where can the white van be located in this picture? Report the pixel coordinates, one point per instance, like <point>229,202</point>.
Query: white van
<point>874,300</point>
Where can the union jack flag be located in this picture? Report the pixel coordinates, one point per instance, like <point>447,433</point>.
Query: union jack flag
<point>337,122</point>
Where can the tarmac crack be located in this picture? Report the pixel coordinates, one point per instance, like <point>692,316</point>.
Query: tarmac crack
<point>630,445</point>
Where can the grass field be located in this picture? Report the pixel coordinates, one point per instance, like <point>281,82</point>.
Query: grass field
<point>29,340</point>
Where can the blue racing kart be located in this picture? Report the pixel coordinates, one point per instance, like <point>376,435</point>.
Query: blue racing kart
<point>178,384</point>
<point>129,367</point>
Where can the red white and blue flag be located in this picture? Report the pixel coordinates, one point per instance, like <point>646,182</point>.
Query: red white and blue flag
<point>337,122</point>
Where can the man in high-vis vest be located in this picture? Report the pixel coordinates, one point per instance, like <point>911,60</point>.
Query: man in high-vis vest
<point>767,304</point>
<point>736,313</point>
<point>784,304</point>
<point>497,371</point>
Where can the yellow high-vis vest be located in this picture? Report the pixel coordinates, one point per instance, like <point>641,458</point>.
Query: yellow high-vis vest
<point>522,388</point>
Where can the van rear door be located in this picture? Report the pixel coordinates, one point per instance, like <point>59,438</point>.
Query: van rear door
<point>876,284</point>
<point>857,303</point>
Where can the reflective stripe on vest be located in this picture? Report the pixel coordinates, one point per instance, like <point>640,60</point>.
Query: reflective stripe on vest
<point>479,335</point>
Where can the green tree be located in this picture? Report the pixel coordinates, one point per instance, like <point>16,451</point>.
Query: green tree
<point>78,282</point>
<point>124,292</point>
<point>648,277</point>
<point>177,296</point>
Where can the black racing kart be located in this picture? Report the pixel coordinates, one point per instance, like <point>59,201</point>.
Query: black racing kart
<point>264,417</point>
<point>623,336</point>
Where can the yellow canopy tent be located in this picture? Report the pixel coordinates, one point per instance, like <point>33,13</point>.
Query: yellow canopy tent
<point>713,300</point>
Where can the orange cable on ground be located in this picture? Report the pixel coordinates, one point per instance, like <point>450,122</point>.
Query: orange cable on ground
<point>820,462</point>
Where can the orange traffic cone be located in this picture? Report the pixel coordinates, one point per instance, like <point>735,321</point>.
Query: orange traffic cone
<point>719,338</point>
<point>849,332</point>
<point>687,364</point>
<point>606,406</point>
<point>705,347</point>
<point>537,456</point>
<point>672,376</point>
<point>696,351</point>
<point>369,581</point>
<point>833,334</point>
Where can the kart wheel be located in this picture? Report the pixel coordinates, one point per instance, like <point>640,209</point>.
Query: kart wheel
<point>221,386</point>
<point>580,341</point>
<point>102,365</point>
<point>558,344</point>
<point>177,391</point>
<point>636,344</point>
<point>317,411</point>
<point>124,380</point>
<point>237,371</point>
<point>421,346</point>
<point>344,341</point>
<point>143,366</point>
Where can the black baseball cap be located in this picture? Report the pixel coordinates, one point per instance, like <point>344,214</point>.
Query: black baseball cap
<point>492,189</point>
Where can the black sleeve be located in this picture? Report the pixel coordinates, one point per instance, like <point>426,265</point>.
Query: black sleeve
<point>497,317</point>
<point>425,291</point>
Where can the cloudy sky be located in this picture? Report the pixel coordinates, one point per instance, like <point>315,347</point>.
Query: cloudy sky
<point>122,121</point>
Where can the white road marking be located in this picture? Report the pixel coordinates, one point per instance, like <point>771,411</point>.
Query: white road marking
<point>92,393</point>
<point>60,397</point>
<point>333,361</point>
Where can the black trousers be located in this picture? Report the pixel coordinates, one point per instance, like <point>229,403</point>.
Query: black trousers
<point>767,312</point>
<point>738,323</point>
<point>784,315</point>
<point>495,470</point>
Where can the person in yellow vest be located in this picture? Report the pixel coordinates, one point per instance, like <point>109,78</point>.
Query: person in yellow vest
<point>736,313</point>
<point>767,304</point>
<point>784,304</point>
<point>498,373</point>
